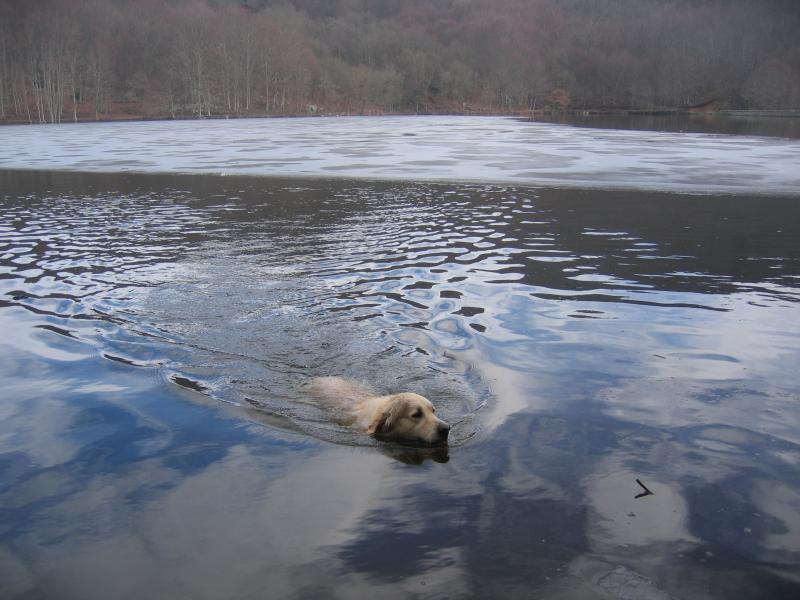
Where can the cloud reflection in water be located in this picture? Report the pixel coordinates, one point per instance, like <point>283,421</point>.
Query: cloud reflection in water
<point>581,340</point>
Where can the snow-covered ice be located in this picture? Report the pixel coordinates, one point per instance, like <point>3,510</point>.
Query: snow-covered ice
<point>469,149</point>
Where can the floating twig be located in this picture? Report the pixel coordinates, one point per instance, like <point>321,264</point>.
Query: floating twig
<point>646,491</point>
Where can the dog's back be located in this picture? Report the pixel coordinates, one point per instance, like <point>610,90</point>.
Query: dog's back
<point>339,392</point>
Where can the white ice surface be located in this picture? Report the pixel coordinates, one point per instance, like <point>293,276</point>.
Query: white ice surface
<point>491,149</point>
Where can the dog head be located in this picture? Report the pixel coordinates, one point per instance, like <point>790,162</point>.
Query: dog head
<point>409,417</point>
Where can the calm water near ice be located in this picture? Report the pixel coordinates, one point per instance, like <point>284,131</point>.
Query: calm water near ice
<point>155,440</point>
<point>741,124</point>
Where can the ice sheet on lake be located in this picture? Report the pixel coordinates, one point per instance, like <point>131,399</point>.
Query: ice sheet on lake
<point>491,149</point>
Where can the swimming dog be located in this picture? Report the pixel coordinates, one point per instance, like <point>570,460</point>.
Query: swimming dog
<point>402,417</point>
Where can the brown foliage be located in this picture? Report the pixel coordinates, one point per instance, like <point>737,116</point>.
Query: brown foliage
<point>83,59</point>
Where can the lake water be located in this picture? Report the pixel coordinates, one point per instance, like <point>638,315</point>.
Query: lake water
<point>786,126</point>
<point>157,331</point>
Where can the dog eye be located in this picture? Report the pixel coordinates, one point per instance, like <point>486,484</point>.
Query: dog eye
<point>416,414</point>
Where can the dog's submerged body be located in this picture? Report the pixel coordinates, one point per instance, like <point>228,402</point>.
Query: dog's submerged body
<point>405,417</point>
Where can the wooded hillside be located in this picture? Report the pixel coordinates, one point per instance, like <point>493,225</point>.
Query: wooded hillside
<point>98,59</point>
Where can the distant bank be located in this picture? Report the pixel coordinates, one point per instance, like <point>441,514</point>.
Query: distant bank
<point>486,111</point>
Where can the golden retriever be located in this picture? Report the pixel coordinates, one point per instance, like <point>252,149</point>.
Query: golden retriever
<point>403,417</point>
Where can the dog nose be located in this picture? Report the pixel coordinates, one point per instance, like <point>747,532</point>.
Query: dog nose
<point>444,430</point>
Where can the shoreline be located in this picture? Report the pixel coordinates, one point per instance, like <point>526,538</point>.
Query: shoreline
<point>547,116</point>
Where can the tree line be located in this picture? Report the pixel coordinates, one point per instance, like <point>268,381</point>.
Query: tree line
<point>100,59</point>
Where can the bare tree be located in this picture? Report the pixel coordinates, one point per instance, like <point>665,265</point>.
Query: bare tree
<point>206,57</point>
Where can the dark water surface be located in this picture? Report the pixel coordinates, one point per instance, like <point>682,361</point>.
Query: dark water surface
<point>742,123</point>
<point>155,440</point>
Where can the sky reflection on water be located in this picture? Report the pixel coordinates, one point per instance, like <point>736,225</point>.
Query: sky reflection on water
<point>579,340</point>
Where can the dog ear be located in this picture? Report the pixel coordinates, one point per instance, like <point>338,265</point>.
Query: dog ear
<point>384,421</point>
<point>378,423</point>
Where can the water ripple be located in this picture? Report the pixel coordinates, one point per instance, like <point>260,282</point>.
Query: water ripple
<point>242,291</point>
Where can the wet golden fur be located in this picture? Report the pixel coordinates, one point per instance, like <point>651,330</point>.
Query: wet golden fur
<point>406,416</point>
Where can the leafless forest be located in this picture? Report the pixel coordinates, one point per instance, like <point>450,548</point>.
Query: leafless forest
<point>101,59</point>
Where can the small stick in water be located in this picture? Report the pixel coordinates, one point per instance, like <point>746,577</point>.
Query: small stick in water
<point>646,491</point>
